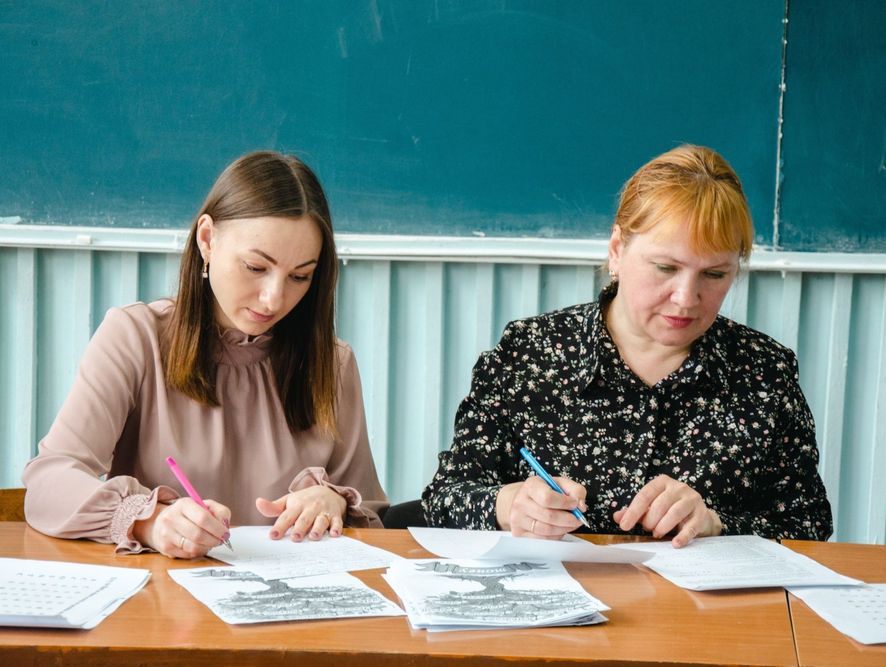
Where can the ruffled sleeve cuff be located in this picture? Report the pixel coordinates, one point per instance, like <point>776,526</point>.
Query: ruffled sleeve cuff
<point>356,516</point>
<point>132,508</point>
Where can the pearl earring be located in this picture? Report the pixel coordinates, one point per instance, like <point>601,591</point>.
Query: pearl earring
<point>205,273</point>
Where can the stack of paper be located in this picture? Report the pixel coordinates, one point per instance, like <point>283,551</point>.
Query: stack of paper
<point>498,545</point>
<point>520,583</point>
<point>495,580</point>
<point>52,594</point>
<point>282,580</point>
<point>237,595</point>
<point>469,594</point>
<point>736,561</point>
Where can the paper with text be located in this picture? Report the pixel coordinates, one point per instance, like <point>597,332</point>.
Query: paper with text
<point>501,545</point>
<point>282,559</point>
<point>53,594</point>
<point>736,561</point>
<point>856,611</point>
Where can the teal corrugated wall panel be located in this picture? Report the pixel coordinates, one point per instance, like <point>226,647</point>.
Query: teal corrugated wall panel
<point>115,281</point>
<point>467,327</point>
<point>363,320</point>
<point>414,407</point>
<point>63,326</point>
<point>417,328</point>
<point>860,488</point>
<point>18,379</point>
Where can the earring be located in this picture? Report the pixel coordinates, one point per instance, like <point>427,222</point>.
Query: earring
<point>613,275</point>
<point>205,273</point>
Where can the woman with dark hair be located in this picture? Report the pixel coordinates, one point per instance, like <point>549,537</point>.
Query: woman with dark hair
<point>240,379</point>
<point>660,415</point>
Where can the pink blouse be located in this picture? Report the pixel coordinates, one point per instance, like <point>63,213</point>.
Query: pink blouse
<point>102,466</point>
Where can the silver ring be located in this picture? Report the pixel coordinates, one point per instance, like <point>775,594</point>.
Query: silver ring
<point>181,544</point>
<point>532,527</point>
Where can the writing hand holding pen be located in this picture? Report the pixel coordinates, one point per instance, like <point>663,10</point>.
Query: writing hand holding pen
<point>192,492</point>
<point>188,528</point>
<point>541,472</point>
<point>533,508</point>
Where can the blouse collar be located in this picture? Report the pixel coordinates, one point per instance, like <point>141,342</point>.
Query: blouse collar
<point>601,360</point>
<point>239,349</point>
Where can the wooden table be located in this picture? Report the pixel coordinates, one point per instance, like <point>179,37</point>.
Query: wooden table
<point>818,643</point>
<point>651,622</point>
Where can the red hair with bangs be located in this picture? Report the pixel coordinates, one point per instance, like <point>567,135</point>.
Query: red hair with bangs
<point>692,186</point>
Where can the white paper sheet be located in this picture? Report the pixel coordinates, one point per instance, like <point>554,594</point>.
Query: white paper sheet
<point>501,545</point>
<point>468,594</point>
<point>283,559</point>
<point>237,596</point>
<point>736,561</point>
<point>857,611</point>
<point>53,594</point>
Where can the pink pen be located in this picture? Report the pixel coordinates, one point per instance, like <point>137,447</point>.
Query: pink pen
<point>185,482</point>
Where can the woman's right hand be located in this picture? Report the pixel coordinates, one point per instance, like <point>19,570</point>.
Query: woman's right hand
<point>184,529</point>
<point>533,509</point>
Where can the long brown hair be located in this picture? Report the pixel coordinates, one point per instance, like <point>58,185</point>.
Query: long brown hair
<point>262,184</point>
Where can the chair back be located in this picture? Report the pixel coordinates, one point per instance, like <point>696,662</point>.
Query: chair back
<point>404,515</point>
<point>12,504</point>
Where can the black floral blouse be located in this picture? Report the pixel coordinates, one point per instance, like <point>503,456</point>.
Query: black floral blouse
<point>731,422</point>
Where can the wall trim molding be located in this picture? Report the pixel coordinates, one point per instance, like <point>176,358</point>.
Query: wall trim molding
<point>480,249</point>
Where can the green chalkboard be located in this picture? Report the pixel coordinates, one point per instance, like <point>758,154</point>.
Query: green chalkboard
<point>834,180</point>
<point>497,117</point>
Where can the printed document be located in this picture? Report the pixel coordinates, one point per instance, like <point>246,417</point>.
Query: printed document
<point>469,594</point>
<point>284,559</point>
<point>857,611</point>
<point>736,561</point>
<point>237,595</point>
<point>501,545</point>
<point>53,594</point>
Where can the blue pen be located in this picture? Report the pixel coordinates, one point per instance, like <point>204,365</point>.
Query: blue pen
<point>541,472</point>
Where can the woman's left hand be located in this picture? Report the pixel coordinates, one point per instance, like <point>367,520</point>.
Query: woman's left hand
<point>663,505</point>
<point>309,512</point>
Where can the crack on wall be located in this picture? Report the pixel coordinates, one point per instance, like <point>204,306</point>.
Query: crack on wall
<point>779,161</point>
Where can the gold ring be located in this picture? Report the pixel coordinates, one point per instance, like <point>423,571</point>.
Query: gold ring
<point>181,544</point>
<point>532,527</point>
<point>327,515</point>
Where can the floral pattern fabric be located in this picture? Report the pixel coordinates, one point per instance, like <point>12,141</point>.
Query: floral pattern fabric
<point>731,422</point>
